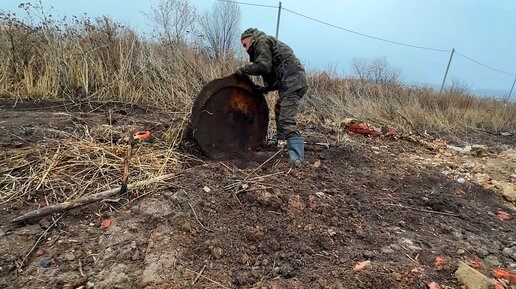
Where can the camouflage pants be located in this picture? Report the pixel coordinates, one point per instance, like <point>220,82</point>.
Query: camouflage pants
<point>285,111</point>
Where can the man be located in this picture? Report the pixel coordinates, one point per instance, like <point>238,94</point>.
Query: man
<point>281,70</point>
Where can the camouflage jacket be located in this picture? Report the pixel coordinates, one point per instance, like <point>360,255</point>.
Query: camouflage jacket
<point>276,63</point>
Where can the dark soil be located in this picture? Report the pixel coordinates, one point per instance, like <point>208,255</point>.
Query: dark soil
<point>283,227</point>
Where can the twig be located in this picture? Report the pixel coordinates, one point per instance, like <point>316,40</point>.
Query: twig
<point>86,200</point>
<point>80,269</point>
<point>209,279</point>
<point>39,239</point>
<point>251,173</point>
<point>239,184</point>
<point>411,259</point>
<point>197,218</point>
<point>198,275</point>
<point>423,210</point>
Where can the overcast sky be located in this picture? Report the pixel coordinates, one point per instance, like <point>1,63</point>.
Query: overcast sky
<point>483,30</point>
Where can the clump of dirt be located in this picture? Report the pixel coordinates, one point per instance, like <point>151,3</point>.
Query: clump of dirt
<point>226,224</point>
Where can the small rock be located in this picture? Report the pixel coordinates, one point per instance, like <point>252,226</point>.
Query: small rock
<point>296,204</point>
<point>245,259</point>
<point>254,233</point>
<point>508,191</point>
<point>510,252</point>
<point>461,180</point>
<point>312,202</point>
<point>217,252</point>
<point>457,235</point>
<point>492,260</point>
<point>481,252</point>
<point>90,285</point>
<point>368,254</point>
<point>46,262</point>
<point>206,189</point>
<point>69,256</point>
<point>461,251</point>
<point>286,270</point>
<point>387,250</point>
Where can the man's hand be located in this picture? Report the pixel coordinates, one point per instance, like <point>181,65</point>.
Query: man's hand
<point>240,71</point>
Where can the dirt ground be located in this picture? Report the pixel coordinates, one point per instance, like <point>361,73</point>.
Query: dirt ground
<point>227,224</point>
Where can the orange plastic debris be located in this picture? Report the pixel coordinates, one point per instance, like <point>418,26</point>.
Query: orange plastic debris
<point>439,262</point>
<point>105,224</point>
<point>142,134</point>
<point>503,215</point>
<point>390,133</point>
<point>433,285</point>
<point>498,286</point>
<point>363,128</point>
<point>502,274</point>
<point>475,264</point>
<point>362,265</point>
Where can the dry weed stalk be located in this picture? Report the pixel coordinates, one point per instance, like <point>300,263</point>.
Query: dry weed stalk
<point>69,169</point>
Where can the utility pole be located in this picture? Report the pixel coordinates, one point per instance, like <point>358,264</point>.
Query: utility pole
<point>279,16</point>
<point>447,68</point>
<point>509,97</point>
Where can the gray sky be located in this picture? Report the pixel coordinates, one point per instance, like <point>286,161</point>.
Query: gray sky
<point>482,30</point>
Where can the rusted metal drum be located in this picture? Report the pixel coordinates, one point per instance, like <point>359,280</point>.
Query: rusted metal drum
<point>229,116</point>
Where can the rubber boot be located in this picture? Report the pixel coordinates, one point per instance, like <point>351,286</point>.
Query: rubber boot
<point>296,149</point>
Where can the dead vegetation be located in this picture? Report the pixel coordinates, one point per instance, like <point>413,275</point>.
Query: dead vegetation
<point>67,166</point>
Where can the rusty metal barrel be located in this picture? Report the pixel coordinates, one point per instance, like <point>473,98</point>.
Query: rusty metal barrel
<point>229,115</point>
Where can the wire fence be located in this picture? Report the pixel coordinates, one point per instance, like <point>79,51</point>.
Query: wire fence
<point>452,52</point>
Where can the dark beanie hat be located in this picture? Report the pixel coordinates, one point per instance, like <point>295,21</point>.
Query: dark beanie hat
<point>248,32</point>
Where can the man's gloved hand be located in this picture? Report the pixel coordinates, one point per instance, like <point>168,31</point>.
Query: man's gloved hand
<point>261,89</point>
<point>240,71</point>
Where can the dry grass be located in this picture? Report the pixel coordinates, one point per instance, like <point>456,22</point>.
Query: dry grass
<point>65,169</point>
<point>406,108</point>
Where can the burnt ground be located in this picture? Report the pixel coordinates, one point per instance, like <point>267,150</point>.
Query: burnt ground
<point>223,224</point>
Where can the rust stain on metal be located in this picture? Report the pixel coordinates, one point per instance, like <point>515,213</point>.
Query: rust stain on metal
<point>228,116</point>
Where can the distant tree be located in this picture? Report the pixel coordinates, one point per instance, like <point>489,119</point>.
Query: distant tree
<point>458,87</point>
<point>377,71</point>
<point>220,28</point>
<point>173,20</point>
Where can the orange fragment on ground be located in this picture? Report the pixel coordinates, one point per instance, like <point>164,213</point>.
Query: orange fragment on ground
<point>390,133</point>
<point>475,264</point>
<point>498,286</point>
<point>503,215</point>
<point>439,262</point>
<point>362,265</point>
<point>502,274</point>
<point>433,285</point>
<point>363,128</point>
<point>105,224</point>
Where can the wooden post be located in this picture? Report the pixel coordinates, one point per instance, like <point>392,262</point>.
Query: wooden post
<point>278,21</point>
<point>446,73</point>
<point>510,92</point>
